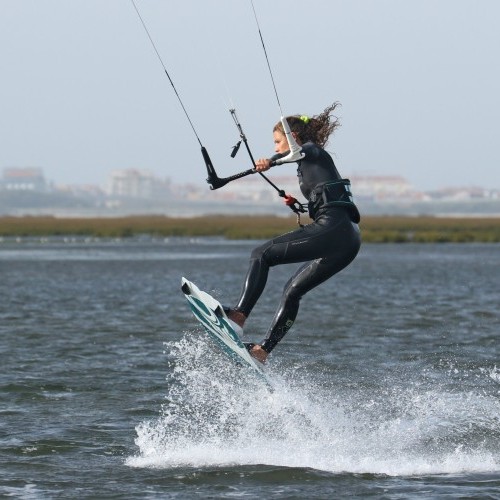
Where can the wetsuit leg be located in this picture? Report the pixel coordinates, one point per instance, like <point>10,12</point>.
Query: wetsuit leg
<point>329,245</point>
<point>255,280</point>
<point>330,238</point>
<point>297,246</point>
<point>308,276</point>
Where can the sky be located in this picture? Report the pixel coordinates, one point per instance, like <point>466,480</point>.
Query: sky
<point>82,92</point>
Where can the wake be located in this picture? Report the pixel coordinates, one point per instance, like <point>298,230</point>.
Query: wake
<point>216,414</point>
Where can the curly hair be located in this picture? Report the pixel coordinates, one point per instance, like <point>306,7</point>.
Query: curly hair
<point>316,129</point>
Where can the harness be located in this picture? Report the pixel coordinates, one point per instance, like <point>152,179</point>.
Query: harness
<point>333,194</point>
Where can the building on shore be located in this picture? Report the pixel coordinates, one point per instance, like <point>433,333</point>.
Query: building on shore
<point>134,191</point>
<point>27,179</point>
<point>131,183</point>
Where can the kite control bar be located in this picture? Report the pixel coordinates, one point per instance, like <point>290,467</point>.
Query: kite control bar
<point>214,180</point>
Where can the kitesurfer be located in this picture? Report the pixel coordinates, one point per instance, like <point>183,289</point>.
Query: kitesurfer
<point>326,246</point>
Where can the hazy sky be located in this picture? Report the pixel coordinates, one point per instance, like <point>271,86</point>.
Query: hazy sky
<point>82,92</point>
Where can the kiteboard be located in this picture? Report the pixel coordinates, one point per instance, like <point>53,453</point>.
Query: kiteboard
<point>209,312</point>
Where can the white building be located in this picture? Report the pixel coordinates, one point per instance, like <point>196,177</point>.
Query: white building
<point>24,179</point>
<point>131,183</point>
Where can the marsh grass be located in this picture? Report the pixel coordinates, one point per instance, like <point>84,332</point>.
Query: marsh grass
<point>374,229</point>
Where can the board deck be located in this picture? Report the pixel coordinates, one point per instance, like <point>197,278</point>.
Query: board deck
<point>209,312</point>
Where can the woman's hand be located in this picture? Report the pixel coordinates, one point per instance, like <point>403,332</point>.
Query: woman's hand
<point>262,164</point>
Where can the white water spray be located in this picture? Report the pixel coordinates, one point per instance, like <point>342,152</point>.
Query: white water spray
<point>215,415</point>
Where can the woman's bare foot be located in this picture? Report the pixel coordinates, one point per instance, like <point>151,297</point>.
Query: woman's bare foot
<point>258,353</point>
<point>238,317</point>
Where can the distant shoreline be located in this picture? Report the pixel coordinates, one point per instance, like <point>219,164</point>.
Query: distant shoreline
<point>375,229</point>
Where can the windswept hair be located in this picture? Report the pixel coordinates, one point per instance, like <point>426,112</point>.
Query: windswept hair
<point>316,129</point>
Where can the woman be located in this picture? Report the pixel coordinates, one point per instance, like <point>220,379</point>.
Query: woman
<point>327,245</point>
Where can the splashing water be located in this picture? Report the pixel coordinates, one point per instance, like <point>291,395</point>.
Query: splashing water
<point>216,414</point>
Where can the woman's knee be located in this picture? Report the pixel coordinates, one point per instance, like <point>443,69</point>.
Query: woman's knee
<point>259,253</point>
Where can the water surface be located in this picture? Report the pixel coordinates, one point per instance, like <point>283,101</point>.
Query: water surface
<point>388,385</point>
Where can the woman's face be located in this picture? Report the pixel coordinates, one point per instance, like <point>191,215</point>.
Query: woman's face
<point>280,142</point>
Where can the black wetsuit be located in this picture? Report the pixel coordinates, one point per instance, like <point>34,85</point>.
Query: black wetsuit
<point>327,245</point>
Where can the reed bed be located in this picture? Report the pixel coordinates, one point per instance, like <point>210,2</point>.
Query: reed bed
<point>374,229</point>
